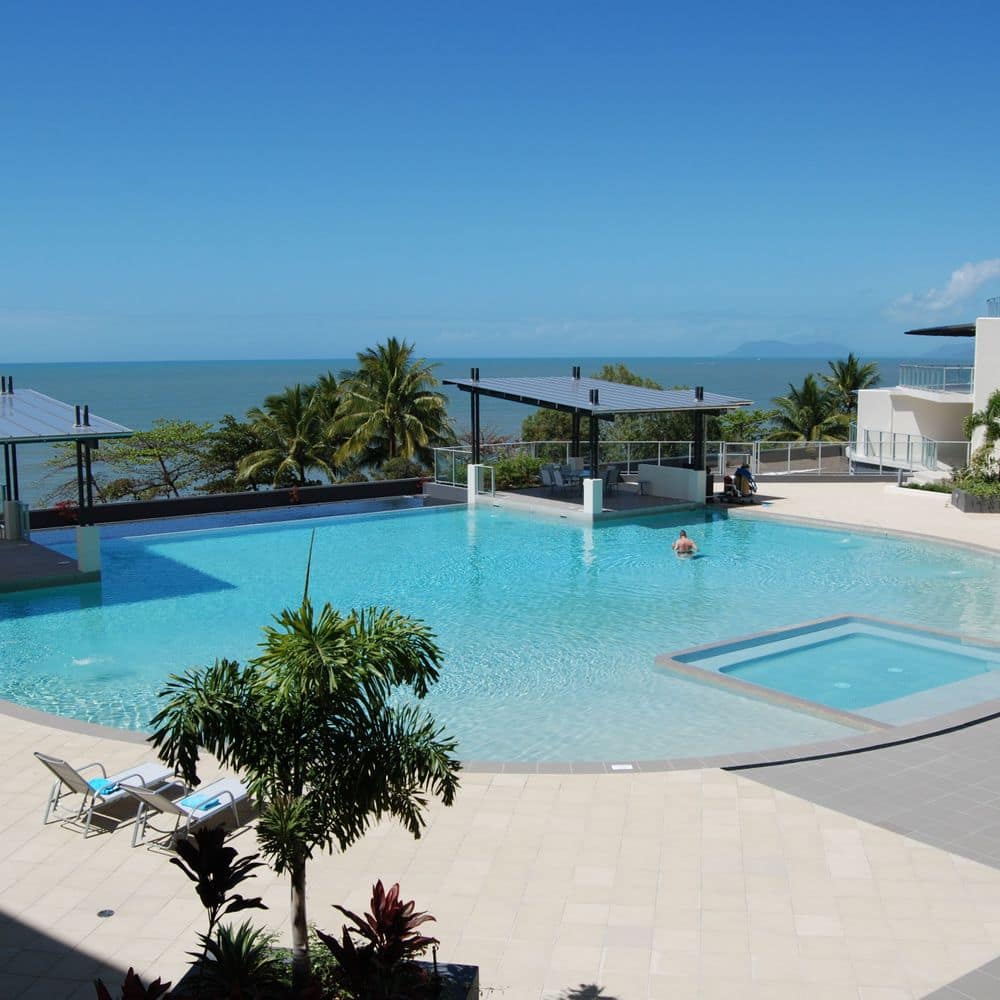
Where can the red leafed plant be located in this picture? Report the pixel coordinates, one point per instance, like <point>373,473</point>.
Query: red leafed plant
<point>132,989</point>
<point>67,511</point>
<point>380,965</point>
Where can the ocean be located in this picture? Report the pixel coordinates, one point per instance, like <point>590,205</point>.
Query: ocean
<point>137,393</point>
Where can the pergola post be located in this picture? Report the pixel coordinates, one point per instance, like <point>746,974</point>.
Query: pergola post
<point>698,441</point>
<point>474,420</point>
<point>574,448</point>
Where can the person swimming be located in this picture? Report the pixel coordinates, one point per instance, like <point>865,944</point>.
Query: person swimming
<point>684,546</point>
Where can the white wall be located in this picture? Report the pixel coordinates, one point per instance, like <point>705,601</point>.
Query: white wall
<point>896,411</point>
<point>680,484</point>
<point>987,366</point>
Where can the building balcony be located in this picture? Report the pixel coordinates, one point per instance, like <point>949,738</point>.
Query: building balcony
<point>937,378</point>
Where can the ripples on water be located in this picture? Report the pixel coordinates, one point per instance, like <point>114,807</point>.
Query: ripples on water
<point>550,628</point>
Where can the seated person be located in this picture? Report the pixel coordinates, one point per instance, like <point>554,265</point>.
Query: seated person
<point>744,481</point>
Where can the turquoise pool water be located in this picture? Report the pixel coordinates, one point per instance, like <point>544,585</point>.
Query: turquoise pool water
<point>856,671</point>
<point>550,628</point>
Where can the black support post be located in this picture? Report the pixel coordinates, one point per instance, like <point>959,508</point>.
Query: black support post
<point>90,483</point>
<point>594,465</point>
<point>80,505</point>
<point>698,444</point>
<point>6,473</point>
<point>15,482</point>
<point>574,449</point>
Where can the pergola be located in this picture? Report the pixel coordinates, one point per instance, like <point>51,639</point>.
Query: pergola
<point>31,417</point>
<point>597,399</point>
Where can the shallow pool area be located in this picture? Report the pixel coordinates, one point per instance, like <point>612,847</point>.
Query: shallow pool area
<point>550,628</point>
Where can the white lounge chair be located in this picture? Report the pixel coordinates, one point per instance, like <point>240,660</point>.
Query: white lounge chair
<point>99,791</point>
<point>194,808</point>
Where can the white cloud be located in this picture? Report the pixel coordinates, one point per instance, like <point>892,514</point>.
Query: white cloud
<point>963,283</point>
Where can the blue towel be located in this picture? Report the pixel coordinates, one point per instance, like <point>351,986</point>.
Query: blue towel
<point>199,801</point>
<point>102,786</point>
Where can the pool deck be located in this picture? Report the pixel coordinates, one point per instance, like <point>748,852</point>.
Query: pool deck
<point>29,566</point>
<point>870,876</point>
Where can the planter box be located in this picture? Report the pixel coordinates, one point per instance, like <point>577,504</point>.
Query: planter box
<point>969,503</point>
<point>458,982</point>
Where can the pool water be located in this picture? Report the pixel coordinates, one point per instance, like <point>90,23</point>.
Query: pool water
<point>855,671</point>
<point>549,628</point>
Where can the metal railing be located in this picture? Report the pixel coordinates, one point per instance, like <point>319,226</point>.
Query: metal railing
<point>937,378</point>
<point>765,458</point>
<point>907,451</point>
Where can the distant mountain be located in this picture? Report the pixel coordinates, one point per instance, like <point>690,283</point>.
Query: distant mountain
<point>782,349</point>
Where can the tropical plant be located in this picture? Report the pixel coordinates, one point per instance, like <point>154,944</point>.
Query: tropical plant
<point>239,963</point>
<point>390,407</point>
<point>296,428</point>
<point>317,726</point>
<point>216,870</point>
<point>228,445</point>
<point>380,968</point>
<point>132,989</point>
<point>847,377</point>
<point>987,420</point>
<point>807,413</point>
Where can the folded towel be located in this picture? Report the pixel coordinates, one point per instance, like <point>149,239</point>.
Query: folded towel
<point>200,802</point>
<point>102,786</point>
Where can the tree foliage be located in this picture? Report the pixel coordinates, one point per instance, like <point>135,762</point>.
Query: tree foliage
<point>316,725</point>
<point>390,407</point>
<point>295,428</point>
<point>847,377</point>
<point>165,460</point>
<point>807,413</point>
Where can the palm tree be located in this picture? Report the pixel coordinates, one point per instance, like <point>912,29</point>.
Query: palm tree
<point>389,407</point>
<point>316,726</point>
<point>847,378</point>
<point>297,425</point>
<point>807,413</point>
<point>989,420</point>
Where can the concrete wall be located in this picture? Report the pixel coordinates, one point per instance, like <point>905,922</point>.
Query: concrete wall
<point>897,411</point>
<point>215,503</point>
<point>680,484</point>
<point>987,365</point>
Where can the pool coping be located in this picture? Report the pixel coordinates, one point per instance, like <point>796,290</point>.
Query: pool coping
<point>874,739</point>
<point>672,663</point>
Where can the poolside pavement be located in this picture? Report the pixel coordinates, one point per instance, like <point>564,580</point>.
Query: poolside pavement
<point>851,877</point>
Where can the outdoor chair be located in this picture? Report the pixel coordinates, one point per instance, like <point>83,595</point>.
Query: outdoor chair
<point>192,809</point>
<point>560,482</point>
<point>611,479</point>
<point>545,474</point>
<point>98,792</point>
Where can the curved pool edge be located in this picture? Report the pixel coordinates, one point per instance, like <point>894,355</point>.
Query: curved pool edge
<point>913,732</point>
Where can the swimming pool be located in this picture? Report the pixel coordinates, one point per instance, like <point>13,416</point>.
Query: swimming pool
<point>550,628</point>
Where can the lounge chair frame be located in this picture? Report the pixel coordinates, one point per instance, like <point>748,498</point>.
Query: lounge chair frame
<point>186,819</point>
<point>70,780</point>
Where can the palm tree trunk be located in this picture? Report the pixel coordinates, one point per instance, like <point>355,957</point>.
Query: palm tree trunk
<point>300,936</point>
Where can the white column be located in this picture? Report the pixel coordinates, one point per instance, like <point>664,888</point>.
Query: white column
<point>88,548</point>
<point>473,482</point>
<point>593,497</point>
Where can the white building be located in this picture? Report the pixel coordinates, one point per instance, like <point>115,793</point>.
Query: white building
<point>917,424</point>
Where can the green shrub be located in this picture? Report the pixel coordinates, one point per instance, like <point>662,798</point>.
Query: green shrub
<point>517,472</point>
<point>940,487</point>
<point>980,486</point>
<point>400,468</point>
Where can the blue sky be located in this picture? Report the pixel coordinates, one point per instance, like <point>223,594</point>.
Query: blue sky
<point>256,180</point>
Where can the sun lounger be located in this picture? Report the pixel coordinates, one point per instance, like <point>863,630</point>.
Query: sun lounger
<point>98,791</point>
<point>194,807</point>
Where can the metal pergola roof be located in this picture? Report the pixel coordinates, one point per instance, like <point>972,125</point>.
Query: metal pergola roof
<point>576,395</point>
<point>595,399</point>
<point>956,330</point>
<point>31,417</point>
